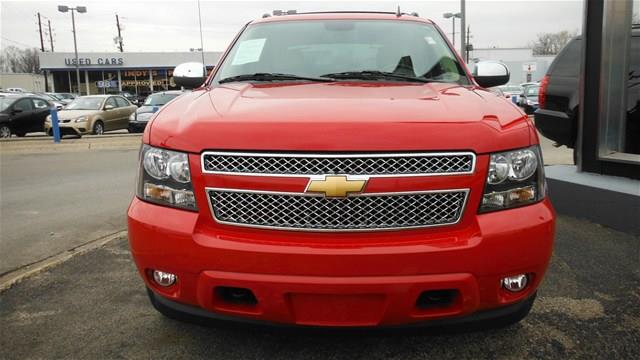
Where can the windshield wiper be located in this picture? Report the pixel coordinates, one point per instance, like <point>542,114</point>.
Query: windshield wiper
<point>373,75</point>
<point>272,77</point>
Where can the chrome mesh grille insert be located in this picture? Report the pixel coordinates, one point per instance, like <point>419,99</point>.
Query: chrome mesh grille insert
<point>351,164</point>
<point>317,213</point>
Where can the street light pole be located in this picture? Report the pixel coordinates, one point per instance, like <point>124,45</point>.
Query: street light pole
<point>453,16</point>
<point>453,35</point>
<point>80,9</point>
<point>75,48</point>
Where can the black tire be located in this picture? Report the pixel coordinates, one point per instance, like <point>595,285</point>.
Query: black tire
<point>5,132</point>
<point>98,128</point>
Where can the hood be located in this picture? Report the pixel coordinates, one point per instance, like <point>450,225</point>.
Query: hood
<point>147,109</point>
<point>340,116</point>
<point>72,114</point>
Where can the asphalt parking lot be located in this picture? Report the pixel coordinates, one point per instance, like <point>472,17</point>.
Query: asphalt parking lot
<point>94,306</point>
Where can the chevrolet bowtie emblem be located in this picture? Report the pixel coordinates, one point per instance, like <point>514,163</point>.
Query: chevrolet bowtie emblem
<point>335,186</point>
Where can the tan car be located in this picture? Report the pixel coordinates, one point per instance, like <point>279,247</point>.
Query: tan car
<point>93,114</point>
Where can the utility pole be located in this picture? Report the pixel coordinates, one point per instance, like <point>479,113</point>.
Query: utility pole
<point>40,31</point>
<point>50,35</point>
<point>463,26</point>
<point>119,34</point>
<point>46,80</point>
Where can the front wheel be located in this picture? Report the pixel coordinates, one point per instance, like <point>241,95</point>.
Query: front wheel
<point>5,132</point>
<point>98,128</point>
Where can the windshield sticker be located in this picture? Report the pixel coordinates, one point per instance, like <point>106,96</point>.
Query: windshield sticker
<point>430,40</point>
<point>248,51</point>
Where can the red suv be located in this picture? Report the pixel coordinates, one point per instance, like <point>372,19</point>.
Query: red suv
<point>342,169</point>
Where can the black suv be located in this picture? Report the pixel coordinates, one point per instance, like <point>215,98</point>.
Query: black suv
<point>557,115</point>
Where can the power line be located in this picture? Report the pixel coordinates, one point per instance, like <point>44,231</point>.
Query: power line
<point>16,42</point>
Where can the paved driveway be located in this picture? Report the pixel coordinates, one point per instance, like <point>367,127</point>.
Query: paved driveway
<point>94,306</point>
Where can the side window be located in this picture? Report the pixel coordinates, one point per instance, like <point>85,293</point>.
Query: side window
<point>122,102</point>
<point>24,105</point>
<point>111,101</point>
<point>40,104</point>
<point>632,128</point>
<point>568,61</point>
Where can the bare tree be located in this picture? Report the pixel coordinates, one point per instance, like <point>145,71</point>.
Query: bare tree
<point>551,43</point>
<point>17,60</point>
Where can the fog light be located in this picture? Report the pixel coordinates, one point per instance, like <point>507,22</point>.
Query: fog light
<point>515,283</point>
<point>164,278</point>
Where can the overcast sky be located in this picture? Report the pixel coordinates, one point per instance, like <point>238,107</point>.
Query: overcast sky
<point>173,25</point>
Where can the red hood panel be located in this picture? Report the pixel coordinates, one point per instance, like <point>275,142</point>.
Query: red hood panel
<point>340,117</point>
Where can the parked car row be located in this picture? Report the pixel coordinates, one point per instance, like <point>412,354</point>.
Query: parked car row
<point>22,113</point>
<point>138,120</point>
<point>524,95</point>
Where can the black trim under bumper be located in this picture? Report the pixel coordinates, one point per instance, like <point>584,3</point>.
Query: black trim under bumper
<point>480,318</point>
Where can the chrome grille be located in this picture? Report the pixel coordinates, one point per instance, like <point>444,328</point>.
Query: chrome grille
<point>350,164</point>
<point>317,213</point>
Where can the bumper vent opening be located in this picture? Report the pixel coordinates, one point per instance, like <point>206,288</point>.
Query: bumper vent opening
<point>236,296</point>
<point>436,299</point>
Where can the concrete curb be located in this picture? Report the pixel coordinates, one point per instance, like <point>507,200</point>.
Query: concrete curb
<point>13,277</point>
<point>37,146</point>
<point>49,139</point>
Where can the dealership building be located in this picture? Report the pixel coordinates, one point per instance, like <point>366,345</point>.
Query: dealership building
<point>138,73</point>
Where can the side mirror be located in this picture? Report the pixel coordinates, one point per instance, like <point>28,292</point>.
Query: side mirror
<point>108,107</point>
<point>490,73</point>
<point>189,75</point>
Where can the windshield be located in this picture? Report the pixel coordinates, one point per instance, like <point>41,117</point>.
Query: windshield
<point>5,102</point>
<point>85,103</point>
<point>315,48</point>
<point>48,97</point>
<point>159,99</point>
<point>532,90</point>
<point>512,89</point>
<point>54,96</point>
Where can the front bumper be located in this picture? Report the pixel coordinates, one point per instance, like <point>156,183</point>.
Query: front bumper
<point>488,317</point>
<point>68,128</point>
<point>339,283</point>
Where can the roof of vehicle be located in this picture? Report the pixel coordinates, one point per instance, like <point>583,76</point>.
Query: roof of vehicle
<point>342,15</point>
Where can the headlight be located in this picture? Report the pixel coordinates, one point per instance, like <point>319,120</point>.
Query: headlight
<point>132,117</point>
<point>144,116</point>
<point>165,178</point>
<point>80,119</point>
<point>514,178</point>
<point>48,119</point>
